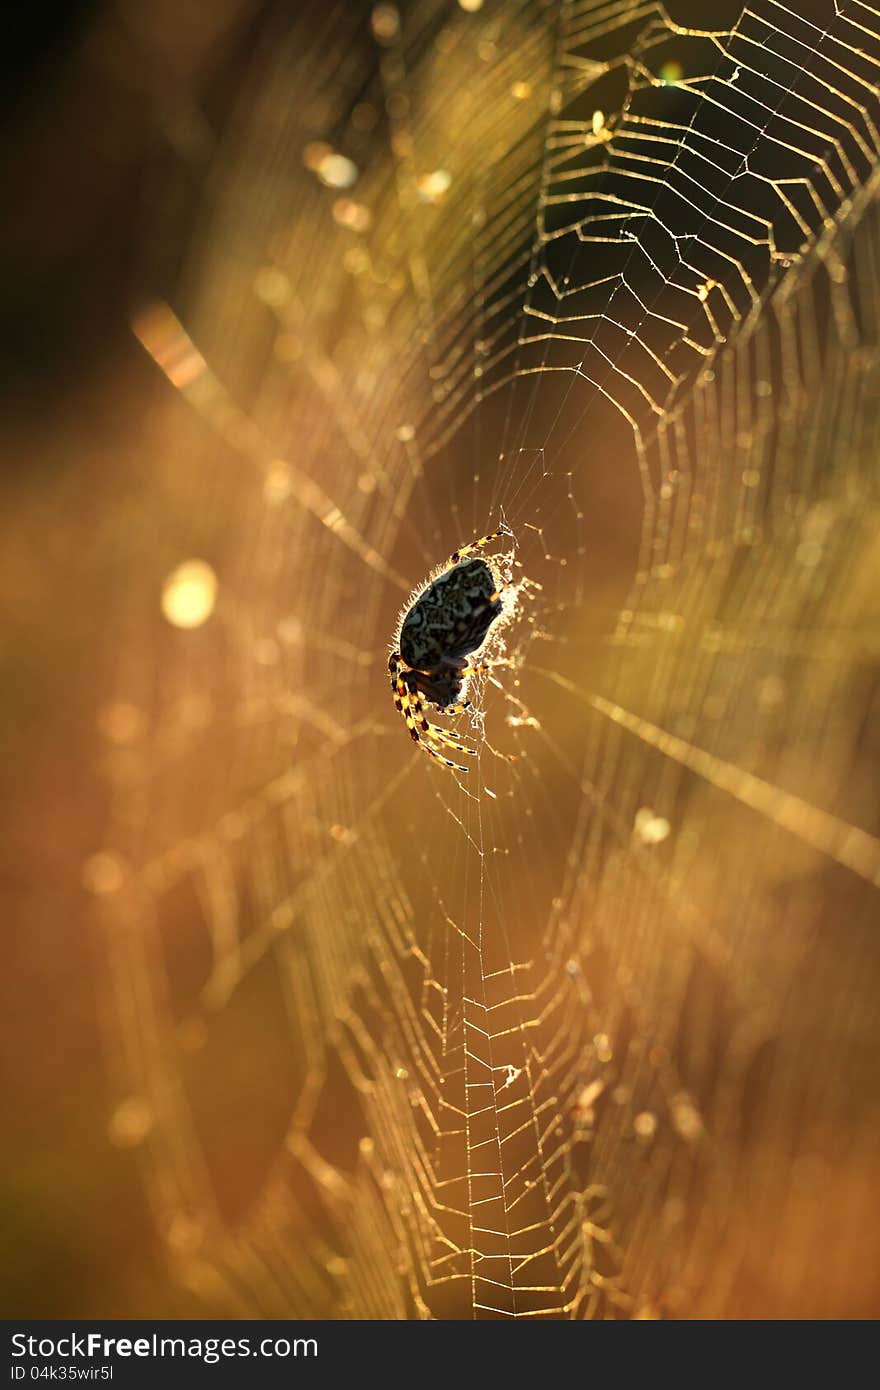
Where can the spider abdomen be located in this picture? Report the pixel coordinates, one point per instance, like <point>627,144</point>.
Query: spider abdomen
<point>452,617</point>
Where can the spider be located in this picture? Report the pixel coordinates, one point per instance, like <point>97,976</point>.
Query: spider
<point>446,621</point>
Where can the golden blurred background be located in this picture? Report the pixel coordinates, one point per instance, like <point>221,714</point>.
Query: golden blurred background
<point>298,1022</point>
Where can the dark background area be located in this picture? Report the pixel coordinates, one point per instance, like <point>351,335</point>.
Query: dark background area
<point>101,104</point>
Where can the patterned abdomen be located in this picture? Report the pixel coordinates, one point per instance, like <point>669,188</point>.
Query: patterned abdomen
<point>452,617</point>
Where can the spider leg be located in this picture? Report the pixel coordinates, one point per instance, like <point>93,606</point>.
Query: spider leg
<point>474,546</point>
<point>398,688</point>
<point>398,703</point>
<point>521,585</point>
<point>402,701</point>
<point>440,758</point>
<point>411,708</point>
<point>433,731</point>
<point>440,735</point>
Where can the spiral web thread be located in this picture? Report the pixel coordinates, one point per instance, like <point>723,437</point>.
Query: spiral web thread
<point>583,1034</point>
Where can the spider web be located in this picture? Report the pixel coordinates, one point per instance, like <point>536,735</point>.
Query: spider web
<point>589,1031</point>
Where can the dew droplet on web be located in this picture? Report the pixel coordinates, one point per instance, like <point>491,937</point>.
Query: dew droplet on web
<point>130,1122</point>
<point>121,722</point>
<point>189,594</point>
<point>649,828</point>
<point>104,873</point>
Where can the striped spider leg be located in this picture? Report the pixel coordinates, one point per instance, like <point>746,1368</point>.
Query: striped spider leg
<point>408,702</point>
